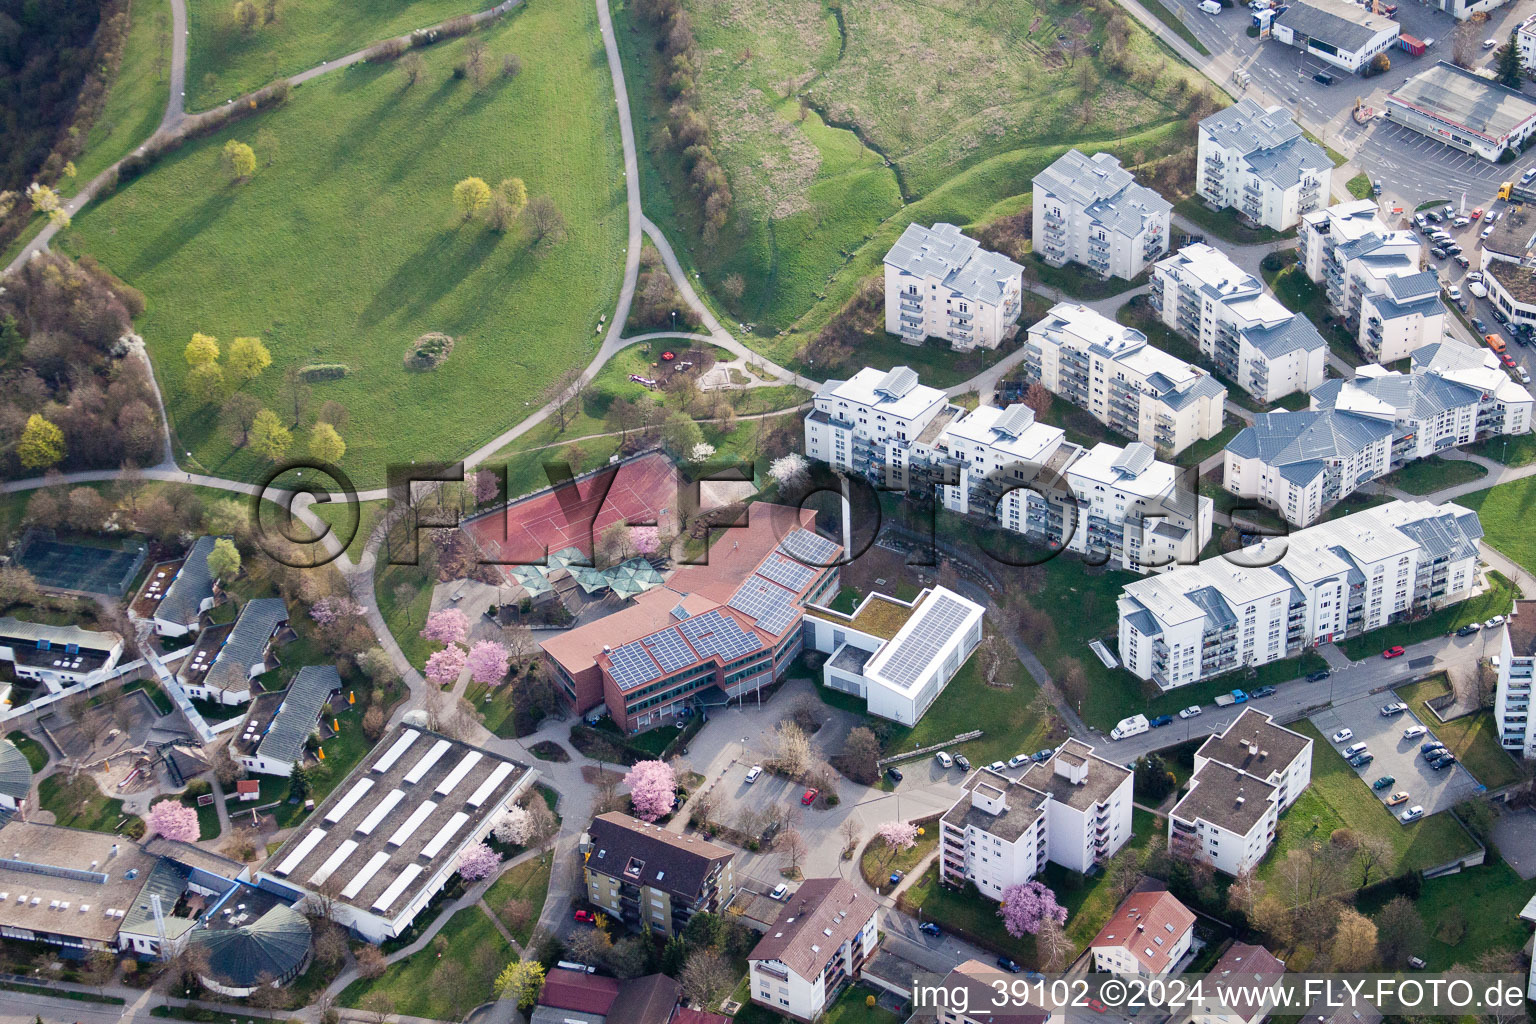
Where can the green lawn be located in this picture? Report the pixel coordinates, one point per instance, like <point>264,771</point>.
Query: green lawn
<point>207,817</point>
<point>1359,186</point>
<point>224,62</point>
<point>347,247</point>
<point>404,595</point>
<point>1425,476</point>
<point>1519,450</point>
<point>1297,293</point>
<point>35,753</point>
<point>1504,512</point>
<point>1486,897</point>
<point>527,882</point>
<point>1224,223</point>
<point>418,986</point>
<point>79,804</point>
<point>136,99</point>
<point>1473,738</point>
<point>1338,798</point>
<point>1078,282</point>
<point>848,1008</point>
<point>338,517</point>
<point>1161,12</point>
<point>876,861</point>
<point>1496,600</point>
<point>1202,450</point>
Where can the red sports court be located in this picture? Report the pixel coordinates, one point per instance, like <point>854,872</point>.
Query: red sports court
<point>644,491</point>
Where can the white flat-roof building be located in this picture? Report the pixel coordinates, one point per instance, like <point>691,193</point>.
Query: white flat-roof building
<point>1525,42</point>
<point>1335,31</point>
<point>1464,110</point>
<point>58,656</point>
<point>1260,162</point>
<point>1074,810</point>
<point>1517,664</point>
<point>939,282</point>
<point>1244,778</point>
<point>897,655</point>
<point>389,836</point>
<point>1327,582</point>
<point>1131,387</point>
<point>1254,341</point>
<point>1147,937</point>
<point>1090,210</point>
<point>862,419</point>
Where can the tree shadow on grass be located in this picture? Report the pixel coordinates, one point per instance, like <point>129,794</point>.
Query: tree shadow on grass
<point>181,230</point>
<point>424,279</point>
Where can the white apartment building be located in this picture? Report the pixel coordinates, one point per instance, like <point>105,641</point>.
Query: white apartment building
<point>1300,463</point>
<point>1244,778</point>
<point>897,655</point>
<point>938,282</point>
<point>1517,663</point>
<point>1148,936</point>
<point>1373,278</point>
<point>1525,42</point>
<point>1259,162</point>
<point>1504,407</point>
<point>817,946</point>
<point>1324,583</point>
<point>1131,387</point>
<point>1074,810</point>
<point>856,423</point>
<point>1089,210</point>
<point>1254,341</point>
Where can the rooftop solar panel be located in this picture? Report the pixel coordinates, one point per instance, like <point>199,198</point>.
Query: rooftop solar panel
<point>399,885</point>
<point>715,633</point>
<point>364,876</point>
<point>346,803</point>
<point>380,811</point>
<point>805,546</point>
<point>937,621</point>
<point>464,767</point>
<point>496,778</point>
<point>786,572</point>
<point>337,858</point>
<point>306,845</point>
<point>632,666</point>
<point>448,831</point>
<point>428,759</point>
<point>668,649</point>
<point>402,742</point>
<point>409,826</point>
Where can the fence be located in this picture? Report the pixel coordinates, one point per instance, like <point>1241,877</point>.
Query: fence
<point>907,755</point>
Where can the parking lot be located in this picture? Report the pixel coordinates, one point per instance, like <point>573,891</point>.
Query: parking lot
<point>1394,755</point>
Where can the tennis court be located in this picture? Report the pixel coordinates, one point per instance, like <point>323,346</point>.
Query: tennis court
<point>85,568</point>
<point>641,492</point>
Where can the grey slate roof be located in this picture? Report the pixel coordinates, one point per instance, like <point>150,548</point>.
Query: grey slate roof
<point>1297,440</point>
<point>1272,144</point>
<point>1103,189</point>
<point>1145,624</point>
<point>1417,396</point>
<point>944,252</point>
<point>295,719</point>
<point>275,945</point>
<point>15,772</point>
<point>1391,309</point>
<point>246,644</point>
<point>192,586</point>
<point>1218,613</point>
<point>168,880</point>
<point>1203,386</point>
<point>1292,335</point>
<point>1320,22</point>
<point>1414,286</point>
<point>1446,536</point>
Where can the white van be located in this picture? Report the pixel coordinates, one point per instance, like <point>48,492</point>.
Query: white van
<point>1210,6</point>
<point>945,761</point>
<point>1358,748</point>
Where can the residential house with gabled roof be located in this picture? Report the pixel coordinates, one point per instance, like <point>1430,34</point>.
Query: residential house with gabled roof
<point>817,946</point>
<point>653,879</point>
<point>1090,210</point>
<point>1260,162</point>
<point>278,725</point>
<point>189,594</point>
<point>1147,936</point>
<point>1243,970</point>
<point>940,282</point>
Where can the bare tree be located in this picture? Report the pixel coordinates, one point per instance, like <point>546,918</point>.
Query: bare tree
<point>377,1009</point>
<point>851,834</point>
<point>791,751</point>
<point>1053,946</point>
<point>545,219</point>
<point>791,844</point>
<point>706,977</point>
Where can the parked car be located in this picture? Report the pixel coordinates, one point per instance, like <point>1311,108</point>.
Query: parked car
<point>945,761</point>
<point>1400,797</point>
<point>1190,712</point>
<point>1522,374</point>
<point>810,796</point>
<point>1383,782</point>
<point>1461,222</point>
<point>1477,214</point>
<point>1483,234</point>
<point>1376,187</point>
<point>1491,216</point>
<point>1393,652</point>
<point>1414,732</point>
<point>1498,314</point>
<point>1322,673</point>
<point>1343,735</point>
<point>1437,252</point>
<point>1477,322</point>
<point>780,892</point>
<point>1448,210</point>
<point>1454,291</point>
<point>1094,1004</point>
<point>1495,622</point>
<point>1413,813</point>
<point>1354,749</point>
<point>894,774</point>
<point>1467,630</point>
<point>1489,44</point>
<point>752,775</point>
<point>929,928</point>
<point>1440,764</point>
<point>583,916</point>
<point>1451,248</point>
<point>1008,965</point>
<point>1397,707</point>
<point>1321,78</point>
<point>1431,756</point>
<point>1525,179</point>
<point>963,761</point>
<point>1263,691</point>
<point>1507,359</point>
<point>996,766</point>
<point>1429,745</point>
<point>1159,721</point>
<point>1018,759</point>
<point>1361,760</point>
<point>1042,756</point>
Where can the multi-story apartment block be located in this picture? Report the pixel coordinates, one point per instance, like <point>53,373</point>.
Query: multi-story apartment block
<point>1259,161</point>
<point>1129,386</point>
<point>1517,663</point>
<point>1147,937</point>
<point>1073,810</point>
<point>1117,504</point>
<point>1503,407</point>
<point>1246,972</point>
<point>940,283</point>
<point>1090,210</point>
<point>1300,463</point>
<point>1266,349</point>
<point>816,947</point>
<point>1373,278</point>
<point>1525,41</point>
<point>1243,779</point>
<point>1330,581</point>
<point>653,879</point>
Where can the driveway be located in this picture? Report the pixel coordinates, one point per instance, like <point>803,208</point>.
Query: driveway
<point>1394,755</point>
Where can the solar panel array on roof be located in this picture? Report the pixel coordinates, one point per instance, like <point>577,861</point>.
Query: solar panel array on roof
<point>807,547</point>
<point>430,758</point>
<point>771,607</point>
<point>938,619</point>
<point>346,803</point>
<point>402,742</point>
<point>448,831</point>
<point>365,876</point>
<point>786,573</point>
<point>716,633</point>
<point>668,649</point>
<point>380,811</point>
<point>630,666</point>
<point>301,851</point>
<point>337,858</point>
<point>464,767</point>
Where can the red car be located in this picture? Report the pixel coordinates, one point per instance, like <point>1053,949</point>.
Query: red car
<point>584,916</point>
<point>1507,359</point>
<point>1476,214</point>
<point>810,797</point>
<point>1096,1006</point>
<point>1392,652</point>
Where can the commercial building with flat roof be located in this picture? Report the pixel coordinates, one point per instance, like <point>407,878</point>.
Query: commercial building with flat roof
<point>1336,31</point>
<point>1464,110</point>
<point>389,836</point>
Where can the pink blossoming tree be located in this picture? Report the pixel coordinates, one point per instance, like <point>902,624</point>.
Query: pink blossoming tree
<point>447,627</point>
<point>487,661</point>
<point>646,539</point>
<point>486,486</point>
<point>172,819</point>
<point>652,788</point>
<point>478,861</point>
<point>896,835</point>
<point>1027,906</point>
<point>444,666</point>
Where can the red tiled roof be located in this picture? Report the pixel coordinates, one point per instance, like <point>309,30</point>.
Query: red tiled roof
<point>247,786</point>
<point>575,990</point>
<point>1143,918</point>
<point>688,1015</point>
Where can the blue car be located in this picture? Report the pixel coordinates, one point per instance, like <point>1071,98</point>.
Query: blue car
<point>929,928</point>
<point>1008,965</point>
<point>1160,721</point>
